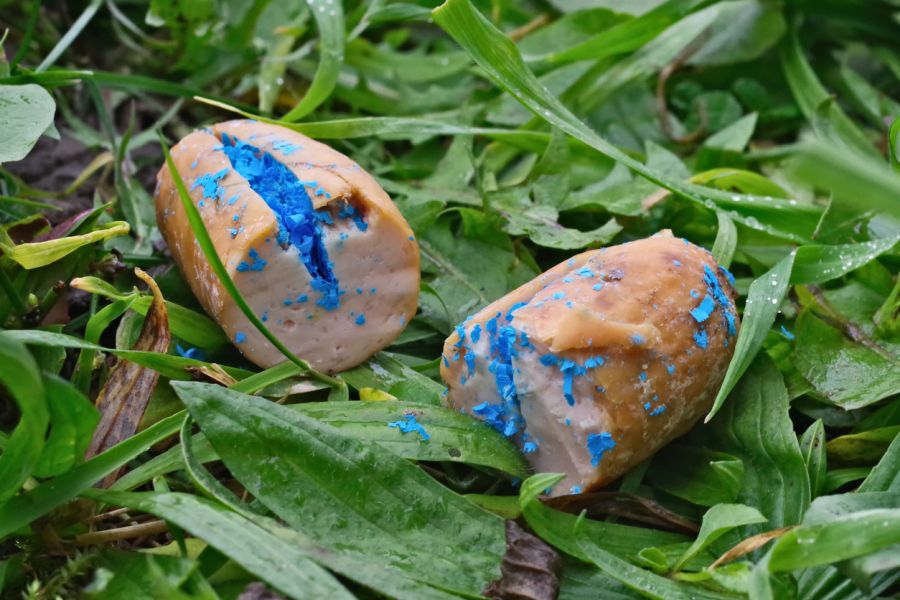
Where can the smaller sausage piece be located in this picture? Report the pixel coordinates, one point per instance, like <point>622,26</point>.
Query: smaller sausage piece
<point>596,364</point>
<point>314,244</point>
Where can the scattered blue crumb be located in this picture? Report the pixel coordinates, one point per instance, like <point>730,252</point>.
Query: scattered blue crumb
<point>302,298</point>
<point>787,334</point>
<point>597,287</point>
<point>599,444</point>
<point>559,295</point>
<point>233,199</point>
<point>190,352</point>
<point>643,376</point>
<point>702,312</point>
<point>412,238</point>
<point>409,425</point>
<point>194,164</point>
<point>695,294</point>
<point>569,422</point>
<point>239,337</point>
<point>476,333</point>
<point>585,272</point>
<point>529,447</point>
<point>287,301</point>
<point>670,369</point>
<point>256,263</point>
<point>658,411</point>
<point>359,291</point>
<point>264,317</point>
<point>701,339</point>
<point>676,262</point>
<point>728,274</point>
<point>361,319</point>
<point>647,405</point>
<point>210,184</point>
<point>568,280</point>
<point>638,339</point>
<point>286,148</point>
<point>575,489</point>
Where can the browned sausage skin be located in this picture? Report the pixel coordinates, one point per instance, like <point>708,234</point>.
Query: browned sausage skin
<point>597,363</point>
<point>315,245</point>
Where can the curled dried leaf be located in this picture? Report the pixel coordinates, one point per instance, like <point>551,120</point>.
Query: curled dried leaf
<point>530,569</point>
<point>749,545</point>
<point>125,395</point>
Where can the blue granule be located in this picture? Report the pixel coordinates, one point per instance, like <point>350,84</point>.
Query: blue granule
<point>643,376</point>
<point>411,238</point>
<point>647,405</point>
<point>446,362</point>
<point>695,294</point>
<point>461,334</point>
<point>373,290</point>
<point>597,287</point>
<point>585,272</point>
<point>658,411</point>
<point>236,218</point>
<point>670,369</point>
<point>256,263</point>
<point>470,360</point>
<point>529,448</point>
<point>239,337</point>
<point>787,334</point>
<point>713,287</point>
<point>190,352</point>
<point>569,422</point>
<point>359,291</point>
<point>513,309</point>
<point>729,321</point>
<point>264,317</point>
<point>524,342</point>
<point>298,223</point>
<point>559,295</point>
<point>409,425</point>
<point>706,307</point>
<point>600,389</point>
<point>599,444</point>
<point>287,301</point>
<point>676,262</point>
<point>302,298</point>
<point>638,339</point>
<point>549,360</point>
<point>348,211</point>
<point>492,414</point>
<point>361,319</point>
<point>233,199</point>
<point>570,304</point>
<point>568,280</point>
<point>701,339</point>
<point>403,320</point>
<point>476,333</point>
<point>210,184</point>
<point>575,489</point>
<point>286,148</point>
<point>727,274</point>
<point>594,362</point>
<point>201,204</point>
<point>570,369</point>
<point>194,164</point>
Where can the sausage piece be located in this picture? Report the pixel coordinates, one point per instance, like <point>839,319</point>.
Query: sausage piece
<point>314,244</point>
<point>599,362</point>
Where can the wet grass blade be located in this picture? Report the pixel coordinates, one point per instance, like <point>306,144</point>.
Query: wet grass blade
<point>328,484</point>
<point>329,16</point>
<point>22,450</point>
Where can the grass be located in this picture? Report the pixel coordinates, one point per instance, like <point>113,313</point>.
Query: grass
<point>511,135</point>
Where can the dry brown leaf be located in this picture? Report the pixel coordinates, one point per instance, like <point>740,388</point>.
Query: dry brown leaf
<point>530,569</point>
<point>749,545</point>
<point>127,391</point>
<point>213,373</point>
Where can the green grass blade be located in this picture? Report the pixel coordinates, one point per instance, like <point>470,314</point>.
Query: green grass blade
<point>329,16</point>
<point>74,31</point>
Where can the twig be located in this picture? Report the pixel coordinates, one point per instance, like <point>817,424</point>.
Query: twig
<point>122,533</point>
<point>662,107</point>
<point>532,25</point>
<point>851,330</point>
